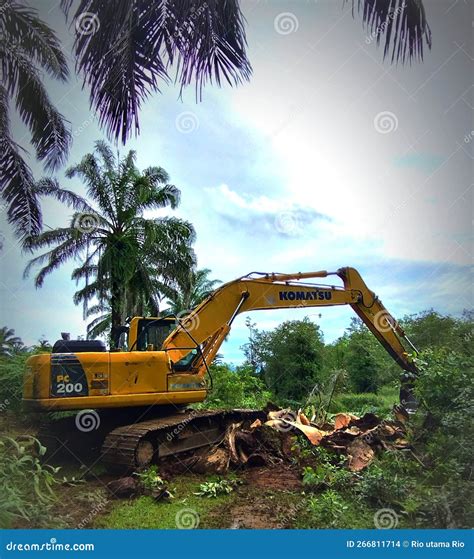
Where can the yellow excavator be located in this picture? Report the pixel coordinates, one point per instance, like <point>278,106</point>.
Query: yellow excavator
<point>162,364</point>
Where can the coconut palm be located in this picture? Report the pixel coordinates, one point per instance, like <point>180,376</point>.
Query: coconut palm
<point>9,343</point>
<point>116,243</point>
<point>127,49</point>
<point>188,292</point>
<point>28,50</point>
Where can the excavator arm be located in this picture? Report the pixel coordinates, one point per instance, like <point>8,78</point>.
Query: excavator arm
<point>205,328</point>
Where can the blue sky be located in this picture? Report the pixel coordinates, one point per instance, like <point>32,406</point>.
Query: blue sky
<point>326,158</point>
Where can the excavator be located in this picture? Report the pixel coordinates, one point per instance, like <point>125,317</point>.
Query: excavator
<point>161,365</point>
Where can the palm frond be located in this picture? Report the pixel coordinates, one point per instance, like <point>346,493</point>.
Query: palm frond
<point>49,135</point>
<point>402,24</point>
<point>99,326</point>
<point>35,37</point>
<point>50,187</point>
<point>137,43</point>
<point>57,257</point>
<point>16,180</point>
<point>84,272</point>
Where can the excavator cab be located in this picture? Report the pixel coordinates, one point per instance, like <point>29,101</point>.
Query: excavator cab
<point>152,332</point>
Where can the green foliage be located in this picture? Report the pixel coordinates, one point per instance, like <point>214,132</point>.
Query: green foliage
<point>125,255</point>
<point>291,357</point>
<point>213,489</point>
<point>189,291</point>
<point>384,483</point>
<point>27,484</point>
<point>11,380</point>
<point>145,512</point>
<point>326,474</point>
<point>430,330</point>
<point>236,388</point>
<point>328,509</point>
<point>364,359</point>
<point>9,343</point>
<point>321,397</point>
<point>360,403</point>
<point>149,478</point>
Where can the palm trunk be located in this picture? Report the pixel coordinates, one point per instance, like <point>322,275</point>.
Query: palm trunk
<point>116,314</point>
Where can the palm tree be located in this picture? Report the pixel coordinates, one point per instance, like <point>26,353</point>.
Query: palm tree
<point>126,49</point>
<point>189,291</point>
<point>123,253</point>
<point>28,49</point>
<point>9,343</point>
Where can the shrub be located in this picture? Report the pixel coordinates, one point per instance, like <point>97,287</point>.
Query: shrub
<point>241,388</point>
<point>27,485</point>
<point>11,379</point>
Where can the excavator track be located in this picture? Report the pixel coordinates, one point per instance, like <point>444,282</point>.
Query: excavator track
<point>137,445</point>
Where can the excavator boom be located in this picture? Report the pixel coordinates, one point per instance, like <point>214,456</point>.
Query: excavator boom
<point>208,324</point>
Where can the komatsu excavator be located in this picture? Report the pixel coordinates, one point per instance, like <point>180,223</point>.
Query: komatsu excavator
<point>165,365</point>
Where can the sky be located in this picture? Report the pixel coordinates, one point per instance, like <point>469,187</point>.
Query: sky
<point>328,157</point>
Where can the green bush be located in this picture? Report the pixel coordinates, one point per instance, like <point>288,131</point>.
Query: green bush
<point>239,388</point>
<point>27,484</point>
<point>11,379</point>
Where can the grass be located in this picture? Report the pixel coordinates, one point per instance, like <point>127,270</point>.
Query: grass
<point>185,507</point>
<point>381,403</point>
